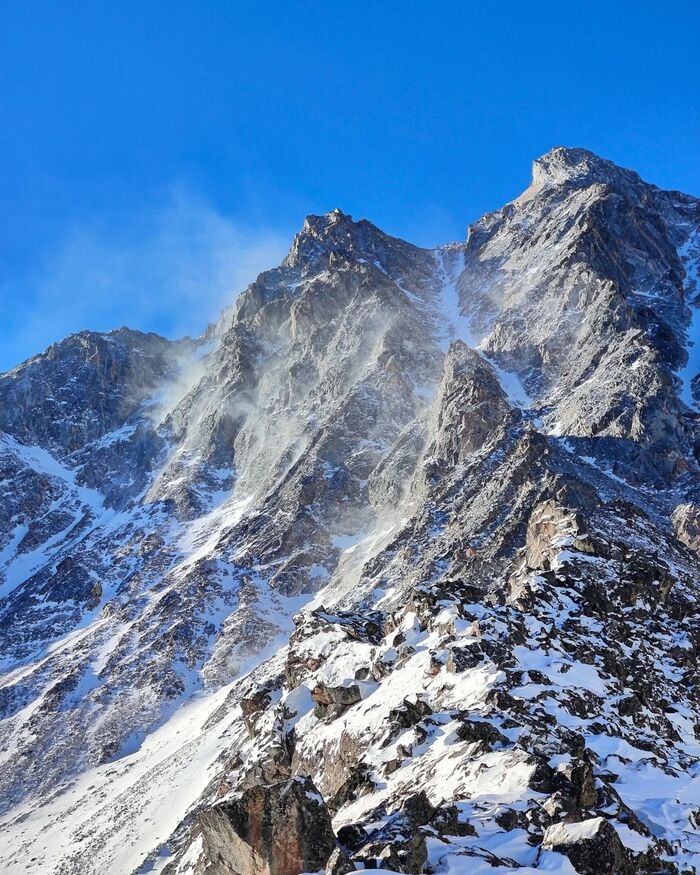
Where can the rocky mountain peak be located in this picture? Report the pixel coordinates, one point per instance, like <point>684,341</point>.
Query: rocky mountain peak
<point>338,236</point>
<point>320,235</point>
<point>575,167</point>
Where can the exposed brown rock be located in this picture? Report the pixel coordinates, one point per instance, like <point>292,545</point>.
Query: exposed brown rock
<point>281,829</point>
<point>331,702</point>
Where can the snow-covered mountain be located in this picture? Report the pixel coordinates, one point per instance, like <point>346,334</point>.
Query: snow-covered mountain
<point>399,561</point>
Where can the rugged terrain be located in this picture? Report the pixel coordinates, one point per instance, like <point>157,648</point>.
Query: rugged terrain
<point>400,561</point>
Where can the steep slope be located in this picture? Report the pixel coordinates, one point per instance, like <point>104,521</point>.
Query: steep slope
<point>244,481</point>
<point>403,521</point>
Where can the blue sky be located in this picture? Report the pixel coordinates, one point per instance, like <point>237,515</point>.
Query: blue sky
<point>156,155</point>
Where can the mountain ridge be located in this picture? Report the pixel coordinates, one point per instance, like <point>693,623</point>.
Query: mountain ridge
<point>459,484</point>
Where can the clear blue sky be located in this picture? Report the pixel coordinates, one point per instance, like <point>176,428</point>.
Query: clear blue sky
<point>155,155</point>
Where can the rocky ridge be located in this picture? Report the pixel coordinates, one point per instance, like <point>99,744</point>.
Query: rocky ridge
<point>418,528</point>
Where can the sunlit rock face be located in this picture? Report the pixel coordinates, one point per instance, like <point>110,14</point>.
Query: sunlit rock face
<point>416,527</point>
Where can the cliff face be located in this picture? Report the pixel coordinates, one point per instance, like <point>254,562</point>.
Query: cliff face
<point>403,522</point>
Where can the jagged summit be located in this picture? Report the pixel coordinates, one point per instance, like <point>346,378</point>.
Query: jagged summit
<point>395,567</point>
<point>564,165</point>
<point>337,233</point>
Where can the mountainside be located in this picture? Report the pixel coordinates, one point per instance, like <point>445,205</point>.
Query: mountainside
<point>399,561</point>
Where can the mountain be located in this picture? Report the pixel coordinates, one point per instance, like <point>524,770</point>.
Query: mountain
<point>396,566</point>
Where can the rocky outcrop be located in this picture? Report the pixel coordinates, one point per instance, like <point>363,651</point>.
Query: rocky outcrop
<point>552,527</point>
<point>472,408</point>
<point>686,523</point>
<point>282,829</point>
<point>593,846</point>
<point>331,702</point>
<point>339,863</point>
<point>84,387</point>
<point>398,855</point>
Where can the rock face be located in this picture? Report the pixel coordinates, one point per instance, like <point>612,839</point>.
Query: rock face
<point>417,526</point>
<point>282,829</point>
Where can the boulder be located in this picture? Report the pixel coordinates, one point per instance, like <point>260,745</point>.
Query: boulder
<point>541,777</point>
<point>446,822</point>
<point>463,658</point>
<point>408,855</point>
<point>252,706</point>
<point>358,783</point>
<point>279,829</point>
<point>352,836</point>
<point>576,780</point>
<point>417,809</point>
<point>486,734</point>
<point>410,713</point>
<point>549,524</point>
<point>628,706</point>
<point>593,846</point>
<point>402,752</point>
<point>331,702</point>
<point>511,818</point>
<point>559,806</point>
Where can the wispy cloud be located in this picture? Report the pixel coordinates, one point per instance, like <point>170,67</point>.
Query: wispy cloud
<point>170,268</point>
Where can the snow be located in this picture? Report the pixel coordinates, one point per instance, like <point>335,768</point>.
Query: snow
<point>456,326</point>
<point>41,460</point>
<point>116,436</point>
<point>476,863</point>
<point>561,671</point>
<point>132,804</point>
<point>191,856</point>
<point>198,539</point>
<point>439,764</point>
<point>116,816</point>
<point>570,833</point>
<point>346,542</point>
<point>511,385</point>
<point>689,254</point>
<point>318,572</point>
<point>82,500</point>
<point>357,548</point>
<point>631,839</point>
